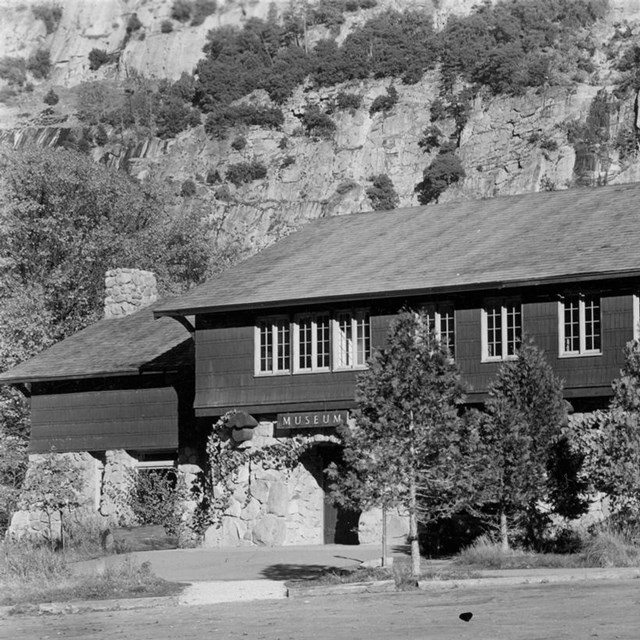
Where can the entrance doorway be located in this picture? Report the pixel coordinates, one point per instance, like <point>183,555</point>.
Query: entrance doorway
<point>340,524</point>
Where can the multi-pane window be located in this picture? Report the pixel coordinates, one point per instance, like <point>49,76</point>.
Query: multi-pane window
<point>442,322</point>
<point>502,329</point>
<point>312,343</point>
<point>274,345</point>
<point>352,339</point>
<point>580,331</point>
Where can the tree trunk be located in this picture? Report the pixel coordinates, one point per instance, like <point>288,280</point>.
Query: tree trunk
<point>384,536</point>
<point>504,532</point>
<point>413,529</point>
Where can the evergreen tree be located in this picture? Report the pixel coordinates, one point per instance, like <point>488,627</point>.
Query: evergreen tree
<point>404,450</point>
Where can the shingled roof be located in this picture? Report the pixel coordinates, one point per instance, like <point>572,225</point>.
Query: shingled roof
<point>506,241</point>
<point>115,346</point>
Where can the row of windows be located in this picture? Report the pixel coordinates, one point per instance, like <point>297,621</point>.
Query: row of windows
<point>324,342</point>
<point>313,342</point>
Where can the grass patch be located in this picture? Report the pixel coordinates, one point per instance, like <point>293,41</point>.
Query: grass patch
<point>32,574</point>
<point>604,548</point>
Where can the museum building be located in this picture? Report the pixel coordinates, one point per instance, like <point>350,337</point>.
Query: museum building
<point>280,338</point>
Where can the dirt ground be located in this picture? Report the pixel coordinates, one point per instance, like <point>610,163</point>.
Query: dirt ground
<point>577,611</point>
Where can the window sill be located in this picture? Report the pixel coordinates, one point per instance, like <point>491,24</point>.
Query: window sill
<point>265,374</point>
<point>586,354</point>
<point>498,360</point>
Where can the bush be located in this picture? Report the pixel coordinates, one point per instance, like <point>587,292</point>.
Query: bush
<point>239,143</point>
<point>445,170</point>
<point>181,10</point>
<point>317,123</point>
<point>244,172</point>
<point>430,139</point>
<point>385,102</point>
<point>201,10</point>
<point>351,101</point>
<point>133,24</point>
<point>51,98</point>
<point>39,63</point>
<point>101,138</point>
<point>218,122</point>
<point>287,162</point>
<point>382,193</point>
<point>213,176</point>
<point>98,57</point>
<point>157,496</point>
<point>13,70</point>
<point>166,26</point>
<point>49,14</point>
<point>188,190</point>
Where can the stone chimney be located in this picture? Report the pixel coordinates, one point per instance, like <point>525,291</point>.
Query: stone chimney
<point>128,291</point>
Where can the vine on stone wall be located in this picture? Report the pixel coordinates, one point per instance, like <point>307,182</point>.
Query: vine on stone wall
<point>226,458</point>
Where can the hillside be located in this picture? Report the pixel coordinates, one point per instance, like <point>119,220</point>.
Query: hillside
<point>258,182</point>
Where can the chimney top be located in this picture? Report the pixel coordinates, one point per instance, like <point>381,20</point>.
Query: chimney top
<point>128,291</point>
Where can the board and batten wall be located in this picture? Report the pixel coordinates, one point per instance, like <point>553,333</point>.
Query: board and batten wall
<point>225,376</point>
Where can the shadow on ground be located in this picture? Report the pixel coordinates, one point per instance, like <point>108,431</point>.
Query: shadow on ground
<point>298,571</point>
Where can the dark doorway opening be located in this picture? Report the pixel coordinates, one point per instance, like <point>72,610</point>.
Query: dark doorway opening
<point>340,524</point>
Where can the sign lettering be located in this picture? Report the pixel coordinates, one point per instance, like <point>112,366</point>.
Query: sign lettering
<point>312,419</point>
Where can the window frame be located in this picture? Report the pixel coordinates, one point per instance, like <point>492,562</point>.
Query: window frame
<point>257,348</point>
<point>503,304</point>
<point>582,326</point>
<point>437,310</point>
<point>313,316</point>
<point>356,315</point>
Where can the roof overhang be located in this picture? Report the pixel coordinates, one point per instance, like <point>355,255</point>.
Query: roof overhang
<point>80,376</point>
<point>400,293</point>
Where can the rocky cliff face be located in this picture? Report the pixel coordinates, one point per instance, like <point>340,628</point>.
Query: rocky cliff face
<point>508,145</point>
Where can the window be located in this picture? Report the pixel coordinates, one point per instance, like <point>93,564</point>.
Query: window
<point>441,320</point>
<point>312,342</point>
<point>312,345</point>
<point>273,348</point>
<point>501,329</point>
<point>579,320</point>
<point>352,340</point>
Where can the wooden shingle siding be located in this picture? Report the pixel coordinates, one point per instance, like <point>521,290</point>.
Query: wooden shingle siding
<point>137,419</point>
<point>225,377</point>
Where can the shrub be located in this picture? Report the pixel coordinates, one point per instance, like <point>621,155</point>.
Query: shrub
<point>244,172</point>
<point>213,176</point>
<point>133,24</point>
<point>430,139</point>
<point>202,9</point>
<point>610,548</point>
<point>166,26</point>
<point>39,63</point>
<point>49,14</point>
<point>287,162</point>
<point>385,102</point>
<point>438,110</point>
<point>549,144</point>
<point>157,496</point>
<point>239,143</point>
<point>445,170</point>
<point>13,70</point>
<point>218,122</point>
<point>98,57</point>
<point>181,10</point>
<point>51,98</point>
<point>351,101</point>
<point>317,123</point>
<point>188,189</point>
<point>101,138</point>
<point>382,193</point>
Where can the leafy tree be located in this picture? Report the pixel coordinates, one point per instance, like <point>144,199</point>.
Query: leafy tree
<point>384,102</point>
<point>52,485</point>
<point>445,170</point>
<point>404,449</point>
<point>382,193</point>
<point>49,14</point>
<point>244,172</point>
<point>525,414</point>
<point>51,98</point>
<point>98,57</point>
<point>317,123</point>
<point>39,63</point>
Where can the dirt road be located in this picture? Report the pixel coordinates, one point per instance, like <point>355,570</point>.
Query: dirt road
<point>578,611</point>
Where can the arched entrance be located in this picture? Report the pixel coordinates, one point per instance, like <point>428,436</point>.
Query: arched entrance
<point>340,525</point>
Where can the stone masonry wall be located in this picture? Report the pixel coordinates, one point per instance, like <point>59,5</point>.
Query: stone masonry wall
<point>128,291</point>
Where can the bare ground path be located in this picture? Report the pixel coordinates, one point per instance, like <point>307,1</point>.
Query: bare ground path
<point>576,611</point>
